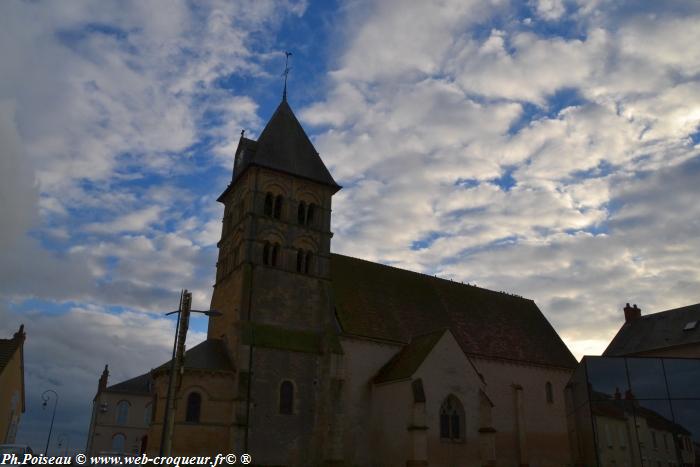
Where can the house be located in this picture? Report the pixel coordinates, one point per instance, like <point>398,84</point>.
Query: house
<point>11,385</point>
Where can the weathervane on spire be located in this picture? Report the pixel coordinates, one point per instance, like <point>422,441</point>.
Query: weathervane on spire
<point>285,74</point>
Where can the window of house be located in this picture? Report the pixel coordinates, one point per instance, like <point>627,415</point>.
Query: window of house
<point>266,253</point>
<point>268,205</point>
<point>154,406</point>
<point>653,440</point>
<point>194,406</point>
<point>118,443</point>
<point>549,392</point>
<point>301,213</point>
<point>148,414</point>
<point>286,397</point>
<point>310,212</point>
<point>122,412</point>
<point>452,419</point>
<point>278,207</point>
<point>275,254</point>
<point>300,260</point>
<point>307,262</point>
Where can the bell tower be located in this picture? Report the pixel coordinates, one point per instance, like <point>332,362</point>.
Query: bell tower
<point>273,290</point>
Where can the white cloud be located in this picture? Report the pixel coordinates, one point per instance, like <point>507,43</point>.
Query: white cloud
<point>469,97</point>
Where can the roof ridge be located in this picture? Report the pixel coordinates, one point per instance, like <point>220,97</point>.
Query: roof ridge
<point>436,278</point>
<point>657,313</point>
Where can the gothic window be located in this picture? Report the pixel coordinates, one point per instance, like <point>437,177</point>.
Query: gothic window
<point>307,263</point>
<point>268,204</point>
<point>278,207</point>
<point>301,213</point>
<point>122,412</point>
<point>549,392</point>
<point>310,214</point>
<point>118,442</point>
<point>451,419</point>
<point>286,397</point>
<point>266,253</point>
<point>300,260</point>
<point>194,406</point>
<point>275,254</point>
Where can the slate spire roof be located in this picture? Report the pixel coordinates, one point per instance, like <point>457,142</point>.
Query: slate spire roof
<point>283,145</point>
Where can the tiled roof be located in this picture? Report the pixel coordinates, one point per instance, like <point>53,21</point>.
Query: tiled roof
<point>208,355</point>
<point>383,302</point>
<point>8,347</point>
<point>407,361</point>
<point>283,145</point>
<point>138,385</point>
<point>657,331</point>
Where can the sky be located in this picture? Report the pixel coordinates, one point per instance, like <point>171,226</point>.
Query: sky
<point>546,148</point>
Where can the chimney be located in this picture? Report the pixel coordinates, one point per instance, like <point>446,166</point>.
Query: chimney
<point>632,313</point>
<point>20,335</point>
<point>102,385</point>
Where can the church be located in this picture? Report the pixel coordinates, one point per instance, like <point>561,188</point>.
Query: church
<point>324,359</point>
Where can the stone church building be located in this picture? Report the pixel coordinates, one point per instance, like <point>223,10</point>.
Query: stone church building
<point>325,359</point>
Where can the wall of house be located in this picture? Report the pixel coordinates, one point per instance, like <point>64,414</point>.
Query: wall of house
<point>544,431</point>
<point>213,433</point>
<point>106,424</point>
<point>680,351</point>
<point>362,360</point>
<point>10,398</point>
<point>447,371</point>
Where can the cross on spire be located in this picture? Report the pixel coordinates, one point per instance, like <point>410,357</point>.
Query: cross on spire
<point>285,74</point>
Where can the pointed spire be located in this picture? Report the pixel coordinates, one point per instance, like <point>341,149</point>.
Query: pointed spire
<point>285,74</point>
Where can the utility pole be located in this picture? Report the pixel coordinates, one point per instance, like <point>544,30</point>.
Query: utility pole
<point>176,367</point>
<point>176,364</point>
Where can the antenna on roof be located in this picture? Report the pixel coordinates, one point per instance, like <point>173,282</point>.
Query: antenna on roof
<point>285,74</point>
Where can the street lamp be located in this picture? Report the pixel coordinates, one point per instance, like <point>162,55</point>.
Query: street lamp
<point>63,438</point>
<point>46,397</point>
<point>183,322</point>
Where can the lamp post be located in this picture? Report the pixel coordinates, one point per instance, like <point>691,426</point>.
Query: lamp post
<point>183,322</point>
<point>63,438</point>
<point>46,397</point>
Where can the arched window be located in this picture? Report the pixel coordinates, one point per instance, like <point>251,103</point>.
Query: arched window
<point>310,214</point>
<point>452,419</point>
<point>266,253</point>
<point>194,406</point>
<point>549,392</point>
<point>268,204</point>
<point>122,412</point>
<point>118,442</point>
<point>307,263</point>
<point>286,397</point>
<point>301,213</point>
<point>300,260</point>
<point>275,254</point>
<point>278,207</point>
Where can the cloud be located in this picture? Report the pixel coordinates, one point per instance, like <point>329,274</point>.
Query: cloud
<point>552,157</point>
<point>115,121</point>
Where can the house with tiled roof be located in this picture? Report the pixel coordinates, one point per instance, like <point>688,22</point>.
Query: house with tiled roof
<point>318,358</point>
<point>670,333</point>
<point>12,391</point>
